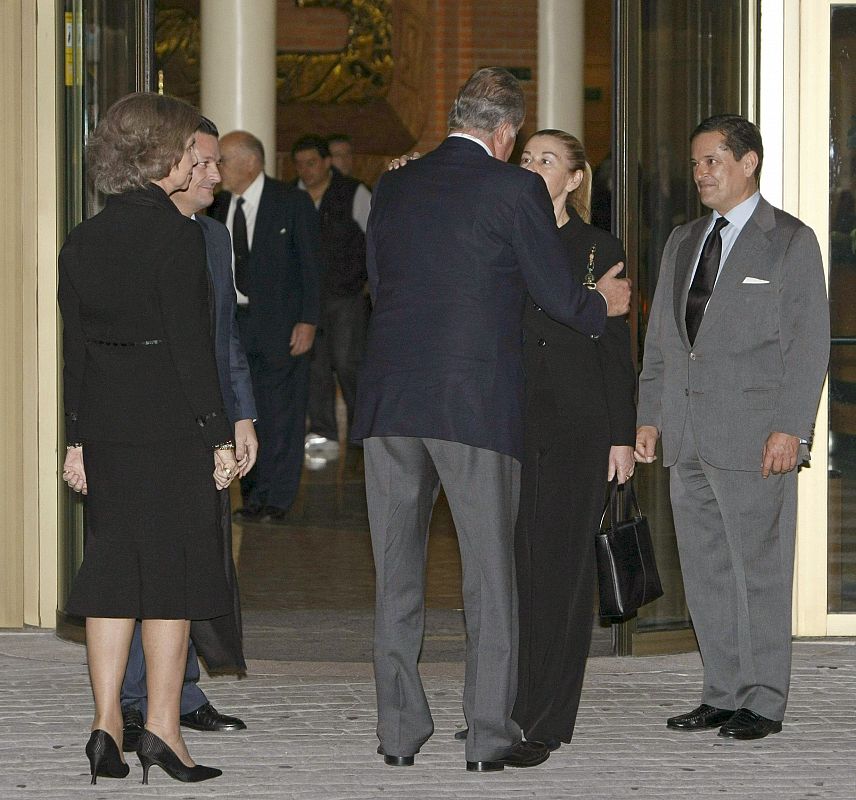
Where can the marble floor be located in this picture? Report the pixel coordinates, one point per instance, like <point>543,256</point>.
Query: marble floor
<point>307,586</point>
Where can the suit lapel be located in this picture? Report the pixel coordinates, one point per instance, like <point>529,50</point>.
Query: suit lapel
<point>745,253</point>
<point>683,273</point>
<point>264,218</point>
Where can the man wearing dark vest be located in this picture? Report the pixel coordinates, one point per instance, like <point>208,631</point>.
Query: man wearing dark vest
<point>343,205</point>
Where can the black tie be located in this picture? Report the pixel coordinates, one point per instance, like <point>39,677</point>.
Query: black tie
<point>704,278</point>
<point>241,248</point>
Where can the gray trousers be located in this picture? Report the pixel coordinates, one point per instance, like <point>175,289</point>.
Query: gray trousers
<point>736,534</point>
<point>403,478</point>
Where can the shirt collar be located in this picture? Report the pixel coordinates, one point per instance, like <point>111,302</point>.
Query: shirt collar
<point>472,139</point>
<point>253,194</point>
<point>740,214</point>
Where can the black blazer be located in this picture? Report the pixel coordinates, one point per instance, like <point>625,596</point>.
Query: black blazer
<point>284,271</point>
<point>589,379</point>
<point>133,291</point>
<point>454,242</point>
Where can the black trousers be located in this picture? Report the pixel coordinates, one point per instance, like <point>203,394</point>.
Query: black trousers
<point>281,389</point>
<point>563,481</point>
<point>340,340</point>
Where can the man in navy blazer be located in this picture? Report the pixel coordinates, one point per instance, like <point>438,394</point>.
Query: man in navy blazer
<point>277,279</point>
<point>219,640</point>
<point>454,243</point>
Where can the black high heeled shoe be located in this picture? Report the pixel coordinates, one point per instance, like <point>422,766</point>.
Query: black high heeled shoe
<point>153,750</point>
<point>104,757</point>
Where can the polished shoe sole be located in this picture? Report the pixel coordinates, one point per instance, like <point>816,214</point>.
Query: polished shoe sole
<point>714,722</point>
<point>221,729</point>
<point>485,766</point>
<point>396,761</point>
<point>496,766</point>
<point>748,736</point>
<point>706,727</point>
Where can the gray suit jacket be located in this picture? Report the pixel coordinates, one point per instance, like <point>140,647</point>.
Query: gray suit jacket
<point>760,355</point>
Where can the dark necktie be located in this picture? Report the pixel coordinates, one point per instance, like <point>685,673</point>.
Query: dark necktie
<point>704,278</point>
<point>242,249</point>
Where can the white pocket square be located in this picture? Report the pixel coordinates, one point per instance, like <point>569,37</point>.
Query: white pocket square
<point>754,280</point>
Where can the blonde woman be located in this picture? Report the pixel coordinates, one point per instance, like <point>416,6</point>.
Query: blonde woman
<point>579,434</point>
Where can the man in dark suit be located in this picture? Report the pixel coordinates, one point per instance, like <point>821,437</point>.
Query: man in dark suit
<point>735,355</point>
<point>218,640</point>
<point>454,242</point>
<point>275,241</point>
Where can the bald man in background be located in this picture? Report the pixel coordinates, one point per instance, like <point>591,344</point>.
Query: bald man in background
<point>274,230</point>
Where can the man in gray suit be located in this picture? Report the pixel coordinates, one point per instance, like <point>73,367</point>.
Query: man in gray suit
<point>735,356</point>
<point>219,640</point>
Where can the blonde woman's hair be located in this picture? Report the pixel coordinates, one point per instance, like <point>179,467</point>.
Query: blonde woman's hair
<point>580,198</point>
<point>139,140</point>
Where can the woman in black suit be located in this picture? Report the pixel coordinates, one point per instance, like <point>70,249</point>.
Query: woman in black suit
<point>144,414</point>
<point>579,434</point>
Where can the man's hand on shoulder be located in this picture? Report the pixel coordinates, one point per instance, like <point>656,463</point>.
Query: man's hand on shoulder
<point>246,446</point>
<point>616,291</point>
<point>780,454</point>
<point>302,336</point>
<point>646,443</point>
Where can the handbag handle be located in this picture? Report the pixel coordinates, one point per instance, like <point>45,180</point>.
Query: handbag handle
<point>617,505</point>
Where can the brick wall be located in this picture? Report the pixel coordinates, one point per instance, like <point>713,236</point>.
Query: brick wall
<point>469,34</point>
<point>480,33</point>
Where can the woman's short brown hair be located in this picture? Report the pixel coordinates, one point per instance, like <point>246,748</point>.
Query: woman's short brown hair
<point>139,140</point>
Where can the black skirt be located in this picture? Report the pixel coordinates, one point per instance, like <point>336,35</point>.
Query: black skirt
<point>152,541</point>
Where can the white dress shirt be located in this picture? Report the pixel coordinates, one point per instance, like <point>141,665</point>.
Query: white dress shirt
<point>472,139</point>
<point>737,218</point>
<point>252,198</point>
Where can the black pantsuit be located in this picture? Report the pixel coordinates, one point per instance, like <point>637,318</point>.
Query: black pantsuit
<point>579,402</point>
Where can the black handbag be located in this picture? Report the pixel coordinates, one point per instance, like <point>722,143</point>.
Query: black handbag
<point>626,567</point>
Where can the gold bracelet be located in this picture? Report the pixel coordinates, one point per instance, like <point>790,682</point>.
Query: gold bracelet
<point>225,446</point>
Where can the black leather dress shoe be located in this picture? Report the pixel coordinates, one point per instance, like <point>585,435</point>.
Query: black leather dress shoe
<point>396,761</point>
<point>248,514</point>
<point>208,718</point>
<point>552,743</point>
<point>462,734</point>
<point>746,724</point>
<point>523,754</point>
<point>272,515</point>
<point>132,728</point>
<point>700,718</point>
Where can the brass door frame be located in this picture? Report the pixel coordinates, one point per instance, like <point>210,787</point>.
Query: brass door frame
<point>70,534</point>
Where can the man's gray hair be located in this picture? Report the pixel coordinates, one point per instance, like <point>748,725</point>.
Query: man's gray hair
<point>491,97</point>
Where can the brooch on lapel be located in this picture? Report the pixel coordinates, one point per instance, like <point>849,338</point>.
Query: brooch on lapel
<point>589,281</point>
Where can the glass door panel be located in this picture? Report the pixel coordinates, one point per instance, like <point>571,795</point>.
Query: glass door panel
<point>108,53</point>
<point>841,565</point>
<point>676,64</point>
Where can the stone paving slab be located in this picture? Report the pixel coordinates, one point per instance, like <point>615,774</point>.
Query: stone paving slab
<point>311,735</point>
